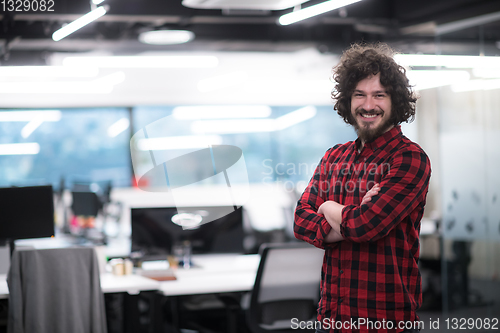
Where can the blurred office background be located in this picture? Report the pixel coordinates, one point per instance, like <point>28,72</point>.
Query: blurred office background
<point>69,110</point>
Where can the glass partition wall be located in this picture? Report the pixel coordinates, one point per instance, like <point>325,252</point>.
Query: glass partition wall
<point>460,259</point>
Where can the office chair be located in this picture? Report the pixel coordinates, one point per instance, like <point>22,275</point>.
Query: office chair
<point>286,286</point>
<point>55,291</point>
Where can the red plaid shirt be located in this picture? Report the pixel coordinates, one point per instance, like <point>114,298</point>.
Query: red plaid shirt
<point>372,275</point>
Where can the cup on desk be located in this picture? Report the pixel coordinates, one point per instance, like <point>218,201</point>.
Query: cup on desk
<point>128,266</point>
<point>182,253</point>
<point>117,266</point>
<point>121,266</point>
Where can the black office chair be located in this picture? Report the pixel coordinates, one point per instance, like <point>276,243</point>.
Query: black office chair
<point>286,286</point>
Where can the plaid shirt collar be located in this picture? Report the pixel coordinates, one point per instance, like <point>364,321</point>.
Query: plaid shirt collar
<point>382,140</point>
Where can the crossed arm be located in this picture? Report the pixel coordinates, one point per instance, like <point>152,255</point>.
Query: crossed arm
<point>332,211</point>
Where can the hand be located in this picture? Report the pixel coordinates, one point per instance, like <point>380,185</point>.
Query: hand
<point>368,196</point>
<point>332,211</point>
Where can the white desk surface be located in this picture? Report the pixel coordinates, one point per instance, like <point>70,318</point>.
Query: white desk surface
<point>132,284</point>
<point>210,274</point>
<point>214,274</point>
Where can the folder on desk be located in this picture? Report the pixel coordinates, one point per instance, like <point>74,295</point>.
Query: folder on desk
<point>158,270</point>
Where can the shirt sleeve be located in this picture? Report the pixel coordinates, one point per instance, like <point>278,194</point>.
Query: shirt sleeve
<point>310,226</point>
<point>402,190</point>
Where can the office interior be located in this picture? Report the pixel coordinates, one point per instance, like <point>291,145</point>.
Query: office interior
<point>100,116</point>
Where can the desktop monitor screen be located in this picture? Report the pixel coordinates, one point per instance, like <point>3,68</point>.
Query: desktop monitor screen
<point>26,212</point>
<point>154,231</point>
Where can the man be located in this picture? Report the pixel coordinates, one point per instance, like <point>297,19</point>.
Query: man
<point>365,201</point>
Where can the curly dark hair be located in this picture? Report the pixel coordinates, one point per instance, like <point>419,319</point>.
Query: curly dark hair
<point>362,61</point>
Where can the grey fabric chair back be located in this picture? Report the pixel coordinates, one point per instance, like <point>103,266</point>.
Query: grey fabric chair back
<point>55,291</point>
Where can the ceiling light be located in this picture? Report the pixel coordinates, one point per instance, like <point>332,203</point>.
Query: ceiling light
<point>118,127</point>
<point>221,111</point>
<point>103,85</point>
<point>485,73</point>
<point>29,115</point>
<point>474,85</point>
<point>426,79</point>
<point>314,10</point>
<point>96,2</point>
<point>179,142</point>
<point>144,61</point>
<point>78,23</point>
<point>243,4</point>
<point>232,126</point>
<point>448,61</point>
<point>34,119</point>
<point>295,117</point>
<point>48,71</point>
<point>166,37</point>
<point>222,81</point>
<point>31,148</point>
<point>31,127</point>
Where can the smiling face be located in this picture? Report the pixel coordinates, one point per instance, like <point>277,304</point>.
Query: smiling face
<point>371,108</point>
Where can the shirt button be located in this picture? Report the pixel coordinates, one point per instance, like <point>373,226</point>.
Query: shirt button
<point>340,300</point>
<point>341,272</point>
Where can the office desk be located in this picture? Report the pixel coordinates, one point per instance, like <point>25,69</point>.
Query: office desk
<point>131,284</point>
<point>214,274</point>
<point>210,274</point>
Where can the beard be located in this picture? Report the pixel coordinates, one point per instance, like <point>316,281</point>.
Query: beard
<point>367,132</point>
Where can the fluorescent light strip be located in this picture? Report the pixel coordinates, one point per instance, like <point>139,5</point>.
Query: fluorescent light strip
<point>314,10</point>
<point>448,61</point>
<point>221,111</point>
<point>31,148</point>
<point>166,37</point>
<point>103,85</point>
<point>48,71</point>
<point>487,73</point>
<point>233,126</point>
<point>118,127</point>
<point>467,23</point>
<point>179,142</point>
<point>30,115</point>
<point>97,2</point>
<point>222,81</point>
<point>253,125</point>
<point>30,127</point>
<point>144,61</point>
<point>474,85</point>
<point>295,117</point>
<point>78,23</point>
<point>426,79</point>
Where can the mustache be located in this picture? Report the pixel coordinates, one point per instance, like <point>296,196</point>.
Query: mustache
<point>370,112</point>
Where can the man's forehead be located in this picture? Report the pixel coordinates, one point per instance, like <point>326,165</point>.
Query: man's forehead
<point>371,83</point>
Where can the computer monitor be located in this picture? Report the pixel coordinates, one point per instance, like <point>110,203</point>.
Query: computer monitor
<point>155,231</point>
<point>26,212</point>
<point>85,203</point>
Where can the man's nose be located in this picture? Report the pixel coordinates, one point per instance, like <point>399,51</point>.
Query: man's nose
<point>369,103</point>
